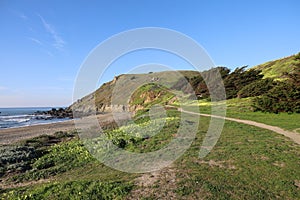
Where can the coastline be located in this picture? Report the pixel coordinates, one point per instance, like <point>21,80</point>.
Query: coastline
<point>16,134</point>
<point>53,122</point>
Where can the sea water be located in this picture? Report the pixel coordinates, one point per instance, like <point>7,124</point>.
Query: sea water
<point>18,117</point>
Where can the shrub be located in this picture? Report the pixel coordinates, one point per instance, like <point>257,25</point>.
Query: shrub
<point>285,97</point>
<point>238,79</point>
<point>16,158</point>
<point>257,88</point>
<point>297,57</point>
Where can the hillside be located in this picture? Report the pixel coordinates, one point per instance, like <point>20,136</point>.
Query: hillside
<point>247,162</point>
<point>277,69</point>
<point>240,82</point>
<point>123,86</point>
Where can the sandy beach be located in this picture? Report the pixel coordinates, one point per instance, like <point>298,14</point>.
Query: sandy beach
<point>12,135</point>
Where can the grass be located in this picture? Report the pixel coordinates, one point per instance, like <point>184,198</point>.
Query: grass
<point>151,94</point>
<point>277,68</point>
<point>246,163</point>
<point>69,171</point>
<point>72,190</point>
<point>241,109</point>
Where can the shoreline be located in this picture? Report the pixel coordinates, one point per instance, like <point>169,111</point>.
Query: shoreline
<point>16,134</point>
<point>36,124</point>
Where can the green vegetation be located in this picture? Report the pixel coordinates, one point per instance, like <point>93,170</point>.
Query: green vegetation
<point>239,79</point>
<point>151,94</point>
<point>72,190</point>
<point>281,93</point>
<point>278,69</point>
<point>284,97</point>
<point>246,163</point>
<point>19,158</point>
<point>53,164</point>
<point>256,88</point>
<point>242,109</point>
<point>275,83</point>
<point>58,159</point>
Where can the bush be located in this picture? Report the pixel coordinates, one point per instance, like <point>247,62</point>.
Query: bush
<point>16,158</point>
<point>297,57</point>
<point>285,97</point>
<point>257,88</point>
<point>238,79</point>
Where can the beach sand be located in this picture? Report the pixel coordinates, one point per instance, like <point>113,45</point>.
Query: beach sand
<point>12,135</point>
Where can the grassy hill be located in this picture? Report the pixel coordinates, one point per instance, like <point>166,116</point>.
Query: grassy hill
<point>125,85</point>
<point>246,163</point>
<point>279,68</point>
<point>128,83</point>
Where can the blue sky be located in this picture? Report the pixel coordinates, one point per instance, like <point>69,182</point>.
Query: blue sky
<point>44,43</point>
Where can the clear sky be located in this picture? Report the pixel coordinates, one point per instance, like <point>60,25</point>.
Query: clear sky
<point>44,43</point>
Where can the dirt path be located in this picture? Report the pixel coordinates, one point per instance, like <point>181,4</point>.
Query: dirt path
<point>292,135</point>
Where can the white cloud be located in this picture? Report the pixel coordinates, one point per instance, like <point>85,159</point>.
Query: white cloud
<point>35,40</point>
<point>22,16</point>
<point>58,43</point>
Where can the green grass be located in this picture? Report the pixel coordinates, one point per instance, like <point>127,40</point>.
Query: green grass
<point>241,109</point>
<point>277,68</point>
<point>72,190</point>
<point>246,163</point>
<point>156,93</point>
<point>73,174</point>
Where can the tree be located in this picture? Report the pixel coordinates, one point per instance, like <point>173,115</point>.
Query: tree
<point>256,88</point>
<point>238,79</point>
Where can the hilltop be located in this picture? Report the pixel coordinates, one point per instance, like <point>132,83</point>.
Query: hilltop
<point>123,85</point>
<point>278,69</point>
<point>129,91</point>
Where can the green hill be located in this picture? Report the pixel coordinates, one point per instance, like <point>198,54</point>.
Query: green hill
<point>247,162</point>
<point>278,69</point>
<point>114,94</point>
<point>121,93</point>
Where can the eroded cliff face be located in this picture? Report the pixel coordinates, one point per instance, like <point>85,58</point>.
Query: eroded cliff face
<point>130,93</point>
<point>141,99</point>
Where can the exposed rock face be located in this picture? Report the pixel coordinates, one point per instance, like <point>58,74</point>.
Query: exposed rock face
<point>113,108</point>
<point>89,109</point>
<point>123,93</point>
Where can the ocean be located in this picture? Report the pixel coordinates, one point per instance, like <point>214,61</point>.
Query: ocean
<point>18,117</point>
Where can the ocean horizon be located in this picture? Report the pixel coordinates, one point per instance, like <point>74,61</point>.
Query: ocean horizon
<point>13,117</point>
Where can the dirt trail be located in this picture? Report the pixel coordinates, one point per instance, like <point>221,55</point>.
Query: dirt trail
<point>292,135</point>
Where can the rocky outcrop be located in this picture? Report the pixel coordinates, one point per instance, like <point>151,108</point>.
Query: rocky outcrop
<point>55,113</point>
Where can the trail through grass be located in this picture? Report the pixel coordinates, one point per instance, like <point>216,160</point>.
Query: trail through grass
<point>246,163</point>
